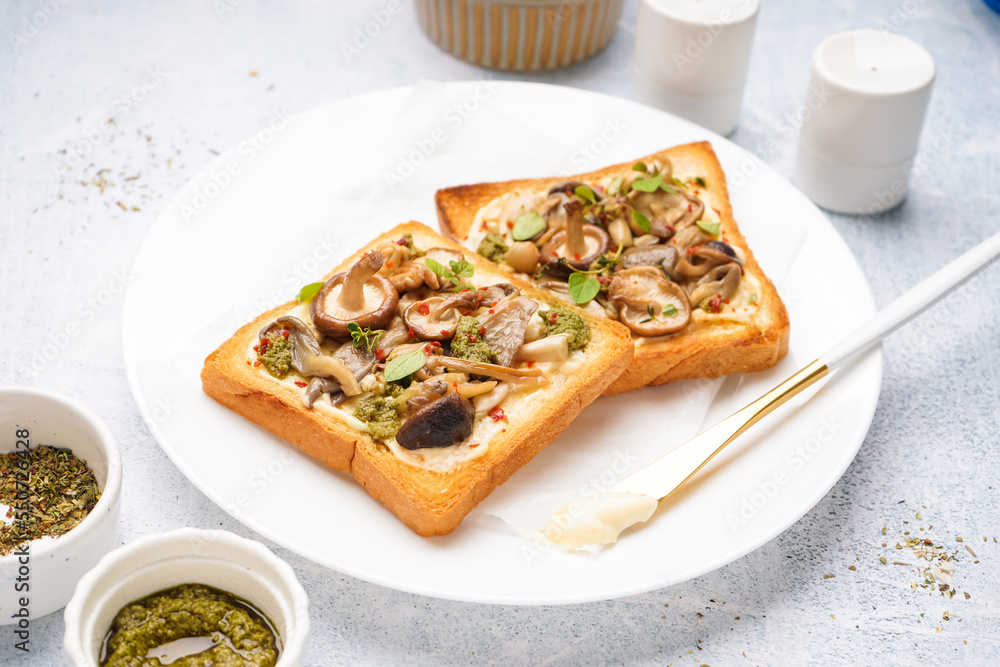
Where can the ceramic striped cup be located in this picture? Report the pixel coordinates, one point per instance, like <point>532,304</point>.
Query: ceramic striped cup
<point>520,35</point>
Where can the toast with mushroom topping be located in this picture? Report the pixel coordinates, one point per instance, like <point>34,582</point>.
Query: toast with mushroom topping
<point>651,244</point>
<point>420,369</point>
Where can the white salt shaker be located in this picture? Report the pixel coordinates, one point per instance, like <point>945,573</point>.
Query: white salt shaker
<point>867,100</point>
<point>691,58</point>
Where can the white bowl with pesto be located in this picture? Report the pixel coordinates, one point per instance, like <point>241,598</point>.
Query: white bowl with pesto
<point>216,558</point>
<point>46,576</point>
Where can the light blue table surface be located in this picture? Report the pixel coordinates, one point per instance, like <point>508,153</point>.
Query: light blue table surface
<point>934,443</point>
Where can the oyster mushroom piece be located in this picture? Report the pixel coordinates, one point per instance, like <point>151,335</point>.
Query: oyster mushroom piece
<point>357,295</point>
<point>490,400</point>
<point>494,293</point>
<point>358,362</point>
<point>551,348</point>
<point>441,423</point>
<point>621,233</point>
<point>512,375</point>
<point>662,256</point>
<point>437,317</point>
<point>667,212</point>
<point>569,187</point>
<point>317,387</point>
<point>308,358</point>
<point>580,245</point>
<point>689,237</point>
<point>443,256</point>
<point>648,303</point>
<point>505,326</point>
<point>697,261</point>
<point>723,280</point>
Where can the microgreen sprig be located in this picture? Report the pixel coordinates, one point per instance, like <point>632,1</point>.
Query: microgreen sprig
<point>459,269</point>
<point>364,339</point>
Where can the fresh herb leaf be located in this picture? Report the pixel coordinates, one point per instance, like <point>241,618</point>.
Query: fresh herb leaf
<point>583,288</point>
<point>309,291</point>
<point>436,266</point>
<point>709,227</point>
<point>652,184</point>
<point>640,166</point>
<point>404,365</point>
<point>364,339</point>
<point>699,181</point>
<point>527,226</point>
<point>462,268</point>
<point>652,313</point>
<point>641,220</point>
<point>615,186</point>
<point>585,193</point>
<point>669,310</point>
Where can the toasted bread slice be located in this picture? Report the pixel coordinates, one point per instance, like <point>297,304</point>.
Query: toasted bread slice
<point>713,347</point>
<point>431,502</point>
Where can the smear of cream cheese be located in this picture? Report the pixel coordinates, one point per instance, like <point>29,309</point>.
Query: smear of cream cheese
<point>591,523</point>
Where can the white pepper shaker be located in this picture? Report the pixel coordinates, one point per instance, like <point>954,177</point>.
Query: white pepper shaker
<point>868,97</point>
<point>691,58</point>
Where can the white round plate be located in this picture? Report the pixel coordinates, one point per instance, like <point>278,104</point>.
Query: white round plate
<point>195,266</point>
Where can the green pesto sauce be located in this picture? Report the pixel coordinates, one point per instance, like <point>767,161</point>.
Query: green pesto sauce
<point>492,248</point>
<point>381,416</point>
<point>277,359</point>
<point>225,630</point>
<point>414,250</point>
<point>393,389</point>
<point>559,320</point>
<point>468,343</point>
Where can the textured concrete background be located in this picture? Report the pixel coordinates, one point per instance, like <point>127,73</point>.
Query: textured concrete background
<point>161,87</point>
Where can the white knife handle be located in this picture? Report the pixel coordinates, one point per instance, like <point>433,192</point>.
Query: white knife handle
<point>914,302</point>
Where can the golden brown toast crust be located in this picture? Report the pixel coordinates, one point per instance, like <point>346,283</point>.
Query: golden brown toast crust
<point>431,503</point>
<point>692,353</point>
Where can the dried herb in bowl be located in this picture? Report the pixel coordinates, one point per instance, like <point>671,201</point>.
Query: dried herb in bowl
<point>48,491</point>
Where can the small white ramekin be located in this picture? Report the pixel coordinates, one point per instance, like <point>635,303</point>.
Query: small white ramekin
<point>156,562</point>
<point>47,576</point>
<point>520,35</point>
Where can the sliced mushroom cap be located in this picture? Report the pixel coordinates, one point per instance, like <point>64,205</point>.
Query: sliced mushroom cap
<point>726,249</point>
<point>663,256</point>
<point>505,325</point>
<point>443,256</point>
<point>689,237</point>
<point>492,294</point>
<point>441,423</point>
<point>648,303</point>
<point>421,394</point>
<point>580,245</point>
<point>697,261</point>
<point>437,317</point>
<point>569,187</point>
<point>357,295</point>
<point>723,280</point>
<point>667,212</point>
